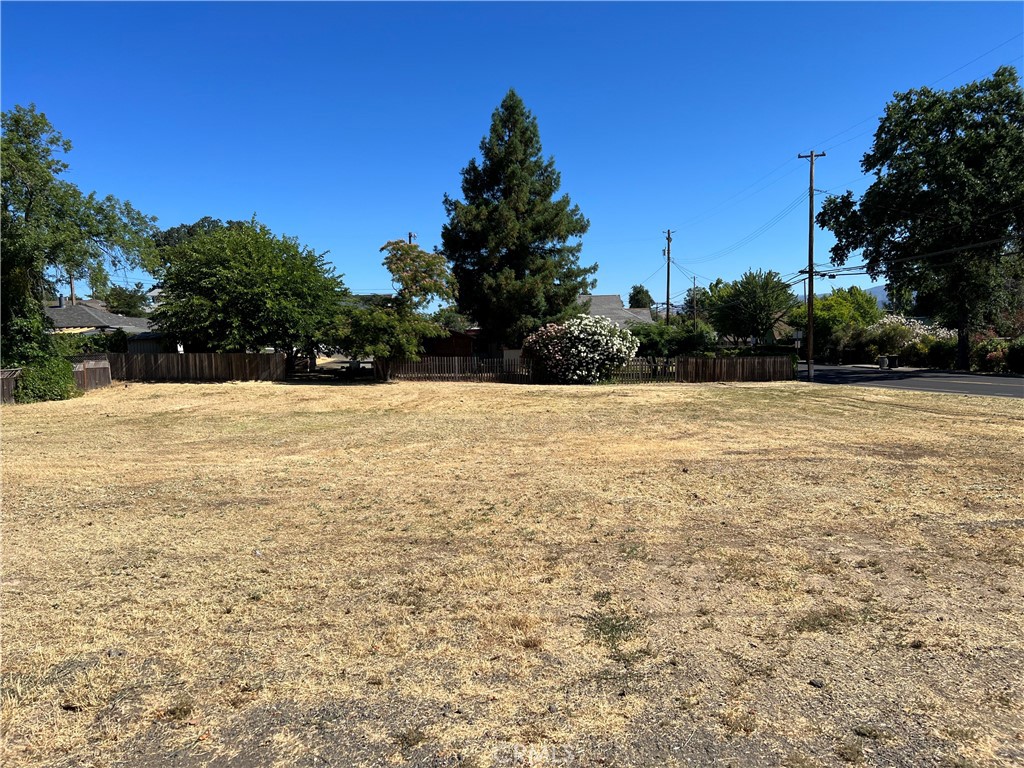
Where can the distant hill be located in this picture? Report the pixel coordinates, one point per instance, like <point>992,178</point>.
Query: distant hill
<point>880,294</point>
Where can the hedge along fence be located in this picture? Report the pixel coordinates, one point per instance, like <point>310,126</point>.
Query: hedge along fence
<point>636,371</point>
<point>197,366</point>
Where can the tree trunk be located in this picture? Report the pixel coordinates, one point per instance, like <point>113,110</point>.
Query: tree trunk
<point>382,368</point>
<point>963,344</point>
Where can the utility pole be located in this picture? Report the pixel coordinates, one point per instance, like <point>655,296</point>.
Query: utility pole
<point>810,267</point>
<point>668,275</point>
<point>693,300</point>
<point>412,236</point>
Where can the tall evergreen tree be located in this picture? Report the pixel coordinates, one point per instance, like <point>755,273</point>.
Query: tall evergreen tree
<point>513,247</point>
<point>640,298</point>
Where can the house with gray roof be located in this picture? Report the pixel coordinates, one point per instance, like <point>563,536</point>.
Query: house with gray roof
<point>82,318</point>
<point>612,307</point>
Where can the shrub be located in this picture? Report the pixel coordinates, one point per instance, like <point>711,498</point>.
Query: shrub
<point>47,379</point>
<point>582,350</point>
<point>942,353</point>
<point>916,343</point>
<point>658,340</point>
<point>915,354</point>
<point>990,355</point>
<point>68,344</point>
<point>1015,355</point>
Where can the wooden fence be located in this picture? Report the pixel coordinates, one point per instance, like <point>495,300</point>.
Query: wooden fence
<point>751,368</point>
<point>197,366</point>
<point>91,371</point>
<point>463,369</point>
<point>646,371</point>
<point>640,370</point>
<point>8,381</point>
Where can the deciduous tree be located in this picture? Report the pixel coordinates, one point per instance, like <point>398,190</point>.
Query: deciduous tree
<point>396,332</point>
<point>47,223</point>
<point>750,306</point>
<point>838,317</point>
<point>944,216</point>
<point>241,289</point>
<point>513,246</point>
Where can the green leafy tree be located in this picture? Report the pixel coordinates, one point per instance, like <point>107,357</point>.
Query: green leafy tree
<point>944,215</point>
<point>451,319</point>
<point>750,306</point>
<point>659,341</point>
<point>514,248</point>
<point>166,240</point>
<point>640,298</point>
<point>48,225</point>
<point>698,299</point>
<point>242,289</point>
<point>839,318</point>
<point>130,302</point>
<point>396,331</point>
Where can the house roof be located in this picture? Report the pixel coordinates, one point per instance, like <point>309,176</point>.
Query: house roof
<point>611,307</point>
<point>83,316</point>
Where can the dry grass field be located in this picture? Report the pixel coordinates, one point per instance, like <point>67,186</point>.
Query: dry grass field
<point>254,575</point>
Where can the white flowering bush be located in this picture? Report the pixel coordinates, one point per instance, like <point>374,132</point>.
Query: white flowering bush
<point>582,350</point>
<point>907,330</point>
<point>915,342</point>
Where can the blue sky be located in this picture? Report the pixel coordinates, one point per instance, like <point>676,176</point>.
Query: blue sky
<point>344,124</point>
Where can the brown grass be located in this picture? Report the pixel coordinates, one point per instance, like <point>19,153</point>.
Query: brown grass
<point>421,574</point>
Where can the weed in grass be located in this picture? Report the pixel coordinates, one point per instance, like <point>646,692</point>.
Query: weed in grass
<point>872,564</point>
<point>738,720</point>
<point>409,738</point>
<point>850,750</point>
<point>633,551</point>
<point>602,597</point>
<point>612,628</point>
<point>868,731</point>
<point>798,760</point>
<point>740,566</point>
<point>917,569</point>
<point>961,734</point>
<point>829,618</point>
<point>828,565</point>
<point>180,708</point>
<point>1000,697</point>
<point>957,761</point>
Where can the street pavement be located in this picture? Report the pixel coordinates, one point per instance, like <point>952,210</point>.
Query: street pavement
<point>917,379</point>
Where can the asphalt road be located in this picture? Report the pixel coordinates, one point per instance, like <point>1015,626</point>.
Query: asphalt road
<point>918,380</point>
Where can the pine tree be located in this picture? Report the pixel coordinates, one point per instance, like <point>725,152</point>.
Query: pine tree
<point>513,247</point>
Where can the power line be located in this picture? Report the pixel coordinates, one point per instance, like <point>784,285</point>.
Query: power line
<point>986,53</point>
<point>753,235</point>
<point>918,256</point>
<point>948,74</point>
<point>711,211</point>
